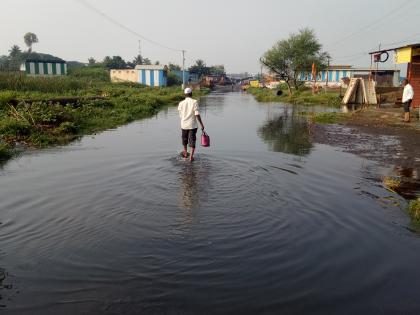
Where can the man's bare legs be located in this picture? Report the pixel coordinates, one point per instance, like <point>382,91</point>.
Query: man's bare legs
<point>192,154</point>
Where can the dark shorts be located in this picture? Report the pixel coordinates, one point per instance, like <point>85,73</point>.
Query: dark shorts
<point>189,136</point>
<point>406,106</point>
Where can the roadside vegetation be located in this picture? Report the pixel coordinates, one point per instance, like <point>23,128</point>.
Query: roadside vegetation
<point>40,111</point>
<point>302,96</point>
<point>414,211</point>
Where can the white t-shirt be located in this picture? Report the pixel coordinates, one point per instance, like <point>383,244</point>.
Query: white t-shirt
<point>188,109</point>
<point>408,93</point>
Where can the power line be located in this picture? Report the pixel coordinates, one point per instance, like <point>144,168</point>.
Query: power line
<point>375,22</point>
<point>407,39</point>
<point>115,22</point>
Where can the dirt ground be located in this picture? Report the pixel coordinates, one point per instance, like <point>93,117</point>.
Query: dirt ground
<point>379,134</point>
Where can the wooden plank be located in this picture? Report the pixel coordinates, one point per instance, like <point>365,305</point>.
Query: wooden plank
<point>349,96</point>
<point>370,92</point>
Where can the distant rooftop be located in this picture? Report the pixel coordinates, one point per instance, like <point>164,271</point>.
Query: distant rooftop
<point>44,60</point>
<point>150,67</point>
<point>333,67</point>
<point>395,48</point>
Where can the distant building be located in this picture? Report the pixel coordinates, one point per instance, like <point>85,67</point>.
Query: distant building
<point>410,55</point>
<point>124,75</point>
<point>150,75</point>
<point>334,75</point>
<point>44,67</point>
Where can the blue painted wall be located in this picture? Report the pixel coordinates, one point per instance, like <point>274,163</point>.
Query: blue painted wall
<point>178,73</point>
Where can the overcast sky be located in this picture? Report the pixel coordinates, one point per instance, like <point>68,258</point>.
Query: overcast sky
<point>234,33</point>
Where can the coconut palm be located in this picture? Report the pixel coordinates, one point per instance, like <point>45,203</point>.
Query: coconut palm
<point>14,51</point>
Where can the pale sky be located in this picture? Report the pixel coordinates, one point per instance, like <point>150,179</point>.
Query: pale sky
<point>235,33</point>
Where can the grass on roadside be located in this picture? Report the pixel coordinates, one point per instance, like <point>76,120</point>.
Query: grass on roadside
<point>328,117</point>
<point>414,211</point>
<point>304,97</point>
<point>40,124</point>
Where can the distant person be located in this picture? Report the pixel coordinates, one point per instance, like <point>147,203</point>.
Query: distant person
<point>189,114</point>
<point>407,98</point>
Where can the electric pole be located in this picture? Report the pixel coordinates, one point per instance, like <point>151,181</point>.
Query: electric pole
<point>328,70</point>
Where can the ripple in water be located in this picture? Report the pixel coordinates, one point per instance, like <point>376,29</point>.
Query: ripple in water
<point>234,232</point>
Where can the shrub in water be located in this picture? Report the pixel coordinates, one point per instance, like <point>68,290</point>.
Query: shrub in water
<point>5,151</point>
<point>414,210</point>
<point>68,127</point>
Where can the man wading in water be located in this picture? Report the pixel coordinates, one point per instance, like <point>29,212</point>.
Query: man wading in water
<point>189,114</point>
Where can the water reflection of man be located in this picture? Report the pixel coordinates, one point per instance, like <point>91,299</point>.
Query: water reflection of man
<point>188,191</point>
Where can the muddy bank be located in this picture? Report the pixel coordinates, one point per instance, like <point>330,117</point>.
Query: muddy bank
<point>379,135</point>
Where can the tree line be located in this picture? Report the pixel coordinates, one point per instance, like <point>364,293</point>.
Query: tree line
<point>16,56</point>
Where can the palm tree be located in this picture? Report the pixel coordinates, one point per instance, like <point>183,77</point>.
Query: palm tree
<point>14,51</point>
<point>138,60</point>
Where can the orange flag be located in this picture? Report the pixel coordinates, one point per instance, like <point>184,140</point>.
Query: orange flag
<point>314,71</point>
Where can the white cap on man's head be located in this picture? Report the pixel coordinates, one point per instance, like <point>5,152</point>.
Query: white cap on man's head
<point>187,91</point>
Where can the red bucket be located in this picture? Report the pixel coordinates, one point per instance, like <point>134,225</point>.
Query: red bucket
<point>205,139</point>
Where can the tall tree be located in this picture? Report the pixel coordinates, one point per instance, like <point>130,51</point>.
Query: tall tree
<point>288,57</point>
<point>174,67</point>
<point>14,51</point>
<point>146,61</point>
<point>217,70</point>
<point>199,68</point>
<point>138,60</point>
<point>91,61</point>
<point>116,62</point>
<point>29,39</point>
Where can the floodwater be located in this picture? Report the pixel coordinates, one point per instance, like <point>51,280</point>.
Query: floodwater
<point>263,222</point>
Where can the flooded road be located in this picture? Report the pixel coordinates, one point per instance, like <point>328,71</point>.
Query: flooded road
<point>263,222</point>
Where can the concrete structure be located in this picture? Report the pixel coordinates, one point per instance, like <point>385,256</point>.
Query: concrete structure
<point>150,75</point>
<point>410,55</point>
<point>336,73</point>
<point>44,67</point>
<point>124,75</point>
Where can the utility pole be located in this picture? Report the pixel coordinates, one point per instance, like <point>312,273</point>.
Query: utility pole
<point>377,63</point>
<point>183,69</point>
<point>328,70</point>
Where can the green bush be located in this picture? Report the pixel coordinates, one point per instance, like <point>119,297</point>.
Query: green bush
<point>101,103</point>
<point>6,97</point>
<point>92,73</point>
<point>5,151</point>
<point>68,127</point>
<point>46,114</point>
<point>414,210</point>
<point>13,127</point>
<point>173,79</point>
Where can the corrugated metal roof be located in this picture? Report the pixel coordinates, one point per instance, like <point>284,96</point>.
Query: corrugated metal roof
<point>395,48</point>
<point>150,67</point>
<point>374,70</point>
